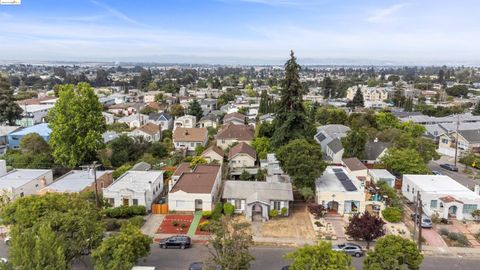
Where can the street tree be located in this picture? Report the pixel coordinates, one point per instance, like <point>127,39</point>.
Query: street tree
<point>291,120</point>
<point>262,146</point>
<point>393,252</point>
<point>9,109</point>
<point>305,165</point>
<point>122,250</point>
<point>229,243</point>
<point>195,109</point>
<point>365,226</point>
<point>77,125</point>
<point>34,153</point>
<point>404,161</point>
<point>177,110</point>
<point>354,144</point>
<point>319,257</point>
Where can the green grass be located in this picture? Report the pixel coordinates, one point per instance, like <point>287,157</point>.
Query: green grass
<point>195,222</point>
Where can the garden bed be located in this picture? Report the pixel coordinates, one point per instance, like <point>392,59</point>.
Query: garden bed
<point>175,224</point>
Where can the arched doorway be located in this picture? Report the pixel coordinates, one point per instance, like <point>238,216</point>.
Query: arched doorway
<point>198,205</point>
<point>332,207</point>
<point>257,212</point>
<point>452,211</point>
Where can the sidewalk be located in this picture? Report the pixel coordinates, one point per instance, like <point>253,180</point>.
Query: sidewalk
<point>153,222</point>
<point>451,251</point>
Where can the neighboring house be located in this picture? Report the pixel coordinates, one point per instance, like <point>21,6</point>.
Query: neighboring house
<point>424,119</point>
<point>22,182</point>
<point>266,118</point>
<point>135,120</point>
<point>209,120</point>
<point>135,188</point>
<point>162,119</point>
<point>109,118</point>
<point>374,151</point>
<point>186,121</point>
<point>369,93</point>
<point>213,153</point>
<point>434,131</point>
<point>339,191</point>
<point>232,133</point>
<point>189,138</point>
<point>378,175</point>
<point>126,108</point>
<point>79,180</point>
<point>234,118</point>
<point>4,132</point>
<point>468,141</point>
<point>108,136</point>
<point>242,155</point>
<point>442,195</point>
<point>273,169</point>
<point>257,198</point>
<point>141,166</point>
<point>328,136</point>
<point>150,132</point>
<point>150,96</point>
<point>33,114</point>
<point>41,129</point>
<point>208,105</point>
<point>355,167</point>
<point>194,190</point>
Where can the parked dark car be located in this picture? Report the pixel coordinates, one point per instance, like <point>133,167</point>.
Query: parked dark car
<point>350,249</point>
<point>449,167</point>
<point>180,241</point>
<point>286,267</point>
<point>199,266</point>
<point>425,223</point>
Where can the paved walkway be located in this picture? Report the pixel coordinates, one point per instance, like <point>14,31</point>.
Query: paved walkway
<point>194,224</point>
<point>470,236</point>
<point>433,238</point>
<point>153,222</point>
<point>338,226</point>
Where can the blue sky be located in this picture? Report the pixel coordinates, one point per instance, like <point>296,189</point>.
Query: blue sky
<point>401,31</point>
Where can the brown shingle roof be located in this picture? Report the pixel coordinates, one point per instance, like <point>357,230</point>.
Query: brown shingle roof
<point>354,164</point>
<point>150,128</point>
<point>242,148</point>
<point>183,167</point>
<point>239,132</point>
<point>215,149</point>
<point>190,134</point>
<point>233,116</point>
<point>201,180</point>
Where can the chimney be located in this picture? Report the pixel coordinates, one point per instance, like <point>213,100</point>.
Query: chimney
<point>186,131</point>
<point>3,167</point>
<point>90,173</point>
<point>477,189</point>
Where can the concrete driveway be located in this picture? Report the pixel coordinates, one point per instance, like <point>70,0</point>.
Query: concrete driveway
<point>151,225</point>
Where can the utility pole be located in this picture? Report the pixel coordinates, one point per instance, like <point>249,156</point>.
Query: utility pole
<point>420,213</point>
<point>415,218</point>
<point>456,140</point>
<point>94,168</point>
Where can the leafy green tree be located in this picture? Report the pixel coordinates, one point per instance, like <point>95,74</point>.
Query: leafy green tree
<point>195,109</point>
<point>197,160</point>
<point>199,150</point>
<point>302,160</point>
<point>386,120</point>
<point>34,153</point>
<point>393,252</point>
<point>319,257</point>
<point>148,110</point>
<point>365,226</point>
<point>74,222</point>
<point>404,161</point>
<point>307,193</point>
<point>229,244</point>
<point>328,87</point>
<point>291,121</point>
<point>77,125</point>
<point>328,115</point>
<point>9,109</point>
<point>262,146</point>
<point>459,90</point>
<point>245,176</point>
<point>249,91</point>
<point>354,144</point>
<point>159,97</point>
<point>476,110</point>
<point>177,110</point>
<point>121,251</point>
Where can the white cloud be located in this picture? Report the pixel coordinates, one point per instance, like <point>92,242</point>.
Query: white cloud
<point>382,14</point>
<point>116,13</point>
<point>5,16</point>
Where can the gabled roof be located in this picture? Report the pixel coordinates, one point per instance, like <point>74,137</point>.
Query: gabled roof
<point>150,128</point>
<point>257,191</point>
<point>159,117</point>
<point>354,164</point>
<point>242,148</point>
<point>335,145</point>
<point>374,149</point>
<point>239,132</point>
<point>215,149</point>
<point>190,134</point>
<point>233,116</point>
<point>41,129</point>
<point>472,136</point>
<point>200,180</point>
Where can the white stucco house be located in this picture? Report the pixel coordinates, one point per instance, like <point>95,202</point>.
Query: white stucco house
<point>22,182</point>
<point>135,188</point>
<point>194,189</point>
<point>442,195</point>
<point>186,121</point>
<point>377,175</point>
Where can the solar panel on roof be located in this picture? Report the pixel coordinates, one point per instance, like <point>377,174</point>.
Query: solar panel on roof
<point>348,185</point>
<point>337,170</point>
<point>320,137</point>
<point>342,176</point>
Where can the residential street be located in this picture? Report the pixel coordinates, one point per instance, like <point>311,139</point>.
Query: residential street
<point>459,176</point>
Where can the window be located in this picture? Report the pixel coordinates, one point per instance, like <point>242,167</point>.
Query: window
<point>408,188</point>
<point>444,141</point>
<point>413,190</point>
<point>111,201</point>
<point>238,204</point>
<point>180,204</point>
<point>433,204</point>
<point>21,194</point>
<point>135,202</point>
<point>192,144</point>
<point>469,208</point>
<point>276,205</point>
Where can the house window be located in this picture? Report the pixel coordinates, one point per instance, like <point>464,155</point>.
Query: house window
<point>192,144</point>
<point>180,204</point>
<point>413,190</point>
<point>444,141</point>
<point>408,188</point>
<point>111,201</point>
<point>135,201</point>
<point>433,204</point>
<point>276,205</point>
<point>469,208</point>
<point>238,204</point>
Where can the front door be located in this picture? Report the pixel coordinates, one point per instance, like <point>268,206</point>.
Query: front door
<point>125,201</point>
<point>452,211</point>
<point>198,205</point>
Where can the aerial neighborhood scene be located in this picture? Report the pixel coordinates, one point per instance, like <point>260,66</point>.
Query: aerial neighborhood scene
<point>239,134</point>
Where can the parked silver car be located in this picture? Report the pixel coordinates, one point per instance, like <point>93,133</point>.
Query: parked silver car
<point>425,221</point>
<point>350,249</point>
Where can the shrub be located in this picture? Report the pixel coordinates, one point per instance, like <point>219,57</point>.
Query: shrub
<point>307,193</point>
<point>228,209</point>
<point>207,214</point>
<point>125,211</point>
<point>174,223</point>
<point>111,224</point>
<point>273,213</point>
<point>284,211</point>
<point>137,221</point>
<point>444,231</point>
<point>460,238</point>
<point>183,225</point>
<point>217,211</point>
<point>318,223</point>
<point>316,210</point>
<point>392,214</point>
<point>203,226</point>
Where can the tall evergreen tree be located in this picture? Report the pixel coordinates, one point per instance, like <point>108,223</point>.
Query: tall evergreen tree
<point>291,120</point>
<point>357,99</point>
<point>195,109</point>
<point>9,109</point>
<point>476,110</point>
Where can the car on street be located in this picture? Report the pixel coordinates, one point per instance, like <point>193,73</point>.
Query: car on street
<point>199,266</point>
<point>437,173</point>
<point>449,167</point>
<point>425,222</point>
<point>350,249</point>
<point>180,241</point>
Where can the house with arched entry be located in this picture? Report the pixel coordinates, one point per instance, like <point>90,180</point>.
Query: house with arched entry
<point>441,195</point>
<point>340,192</point>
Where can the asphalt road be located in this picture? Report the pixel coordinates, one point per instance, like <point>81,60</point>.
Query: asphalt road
<point>459,176</point>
